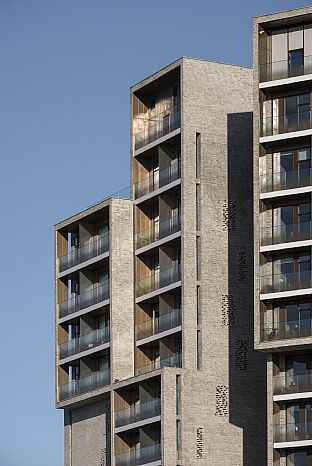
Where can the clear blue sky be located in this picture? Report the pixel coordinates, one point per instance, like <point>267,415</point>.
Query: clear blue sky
<point>65,71</point>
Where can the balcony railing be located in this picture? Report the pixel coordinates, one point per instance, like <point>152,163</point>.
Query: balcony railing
<point>173,361</point>
<point>286,123</point>
<point>284,384</point>
<point>157,126</point>
<point>85,342</point>
<point>139,456</point>
<point>159,231</point>
<point>82,301</point>
<point>293,431</point>
<point>158,325</point>
<point>136,413</point>
<point>158,280</point>
<point>286,281</point>
<point>286,180</point>
<point>287,329</point>
<point>84,385</point>
<point>164,177</point>
<point>286,233</point>
<point>283,69</point>
<point>84,253</point>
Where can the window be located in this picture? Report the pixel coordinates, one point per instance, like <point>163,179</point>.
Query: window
<point>295,62</point>
<point>198,154</point>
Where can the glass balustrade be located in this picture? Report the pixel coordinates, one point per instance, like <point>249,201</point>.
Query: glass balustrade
<point>286,123</point>
<point>84,253</point>
<point>285,180</point>
<point>293,431</point>
<point>283,384</point>
<point>283,69</point>
<point>149,130</point>
<point>287,329</point>
<point>158,280</point>
<point>173,361</point>
<point>139,456</point>
<point>287,281</point>
<point>285,233</point>
<point>158,180</point>
<point>84,342</point>
<point>159,231</point>
<point>136,413</point>
<point>160,324</point>
<point>82,301</point>
<point>84,385</point>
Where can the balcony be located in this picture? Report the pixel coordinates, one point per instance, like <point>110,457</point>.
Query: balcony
<point>287,330</point>
<point>158,280</point>
<point>159,231</point>
<point>160,324</point>
<point>157,126</point>
<point>84,253</point>
<point>173,361</point>
<point>286,233</point>
<point>293,432</point>
<point>151,183</point>
<point>136,413</point>
<point>84,385</point>
<point>285,180</point>
<point>286,123</point>
<point>139,456</point>
<point>84,300</point>
<point>286,384</point>
<point>283,69</point>
<point>280,282</point>
<point>84,343</point>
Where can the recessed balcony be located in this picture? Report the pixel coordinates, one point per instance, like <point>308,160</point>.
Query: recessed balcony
<point>157,181</point>
<point>280,282</point>
<point>160,324</point>
<point>173,361</point>
<point>157,232</point>
<point>288,384</point>
<point>157,126</point>
<point>137,413</point>
<point>82,301</point>
<point>293,432</point>
<point>84,342</point>
<point>84,253</point>
<point>286,233</point>
<point>140,456</point>
<point>286,330</point>
<point>286,123</point>
<point>158,280</point>
<point>286,180</point>
<point>284,69</point>
<point>84,385</point>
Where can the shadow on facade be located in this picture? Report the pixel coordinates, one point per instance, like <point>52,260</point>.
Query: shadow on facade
<point>247,368</point>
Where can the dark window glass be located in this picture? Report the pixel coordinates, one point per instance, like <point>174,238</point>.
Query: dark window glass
<point>295,62</point>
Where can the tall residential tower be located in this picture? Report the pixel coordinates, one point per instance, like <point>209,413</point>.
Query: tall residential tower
<point>155,360</point>
<point>283,186</point>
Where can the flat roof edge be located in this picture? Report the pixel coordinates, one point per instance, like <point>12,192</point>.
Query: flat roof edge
<point>300,11</point>
<point>87,211</point>
<point>171,66</point>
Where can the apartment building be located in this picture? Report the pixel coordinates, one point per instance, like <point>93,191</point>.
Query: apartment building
<point>155,359</point>
<point>283,186</point>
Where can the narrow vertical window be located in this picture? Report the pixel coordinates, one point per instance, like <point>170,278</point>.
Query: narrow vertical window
<point>198,346</point>
<point>178,395</point>
<point>198,305</point>
<point>198,258</point>
<point>198,207</point>
<point>198,154</point>
<point>178,438</point>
